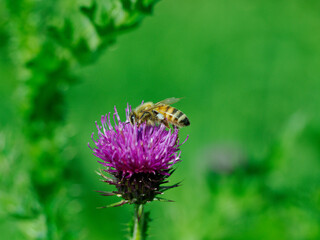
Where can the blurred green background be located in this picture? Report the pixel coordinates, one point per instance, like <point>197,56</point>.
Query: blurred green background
<point>249,74</point>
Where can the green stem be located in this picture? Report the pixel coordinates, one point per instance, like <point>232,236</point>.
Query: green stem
<point>139,225</point>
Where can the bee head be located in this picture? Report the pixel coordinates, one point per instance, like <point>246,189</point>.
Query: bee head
<point>132,118</point>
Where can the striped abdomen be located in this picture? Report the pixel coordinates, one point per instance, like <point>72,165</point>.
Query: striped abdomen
<point>173,115</point>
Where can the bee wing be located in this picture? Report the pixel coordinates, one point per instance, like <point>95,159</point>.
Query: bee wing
<point>167,101</point>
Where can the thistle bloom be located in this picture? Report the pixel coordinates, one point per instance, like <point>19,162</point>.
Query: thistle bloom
<point>138,159</point>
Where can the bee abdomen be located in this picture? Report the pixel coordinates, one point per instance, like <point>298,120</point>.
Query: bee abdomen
<point>174,116</point>
<point>177,117</point>
<point>182,119</point>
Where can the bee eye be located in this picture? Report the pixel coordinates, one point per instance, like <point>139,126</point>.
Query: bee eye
<point>132,118</point>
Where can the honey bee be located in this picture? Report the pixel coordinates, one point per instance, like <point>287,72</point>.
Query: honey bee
<point>160,112</point>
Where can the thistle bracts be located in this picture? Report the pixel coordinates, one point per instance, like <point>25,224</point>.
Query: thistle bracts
<point>139,188</point>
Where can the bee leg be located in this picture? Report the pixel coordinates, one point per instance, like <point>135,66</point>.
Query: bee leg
<point>165,122</point>
<point>151,123</point>
<point>145,116</point>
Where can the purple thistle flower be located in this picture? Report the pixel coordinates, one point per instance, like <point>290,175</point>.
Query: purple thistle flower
<point>139,159</point>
